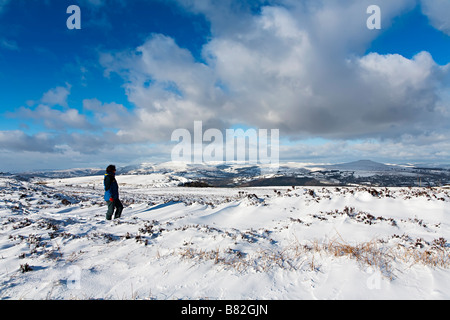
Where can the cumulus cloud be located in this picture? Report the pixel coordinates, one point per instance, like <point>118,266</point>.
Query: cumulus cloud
<point>57,96</point>
<point>54,118</point>
<point>53,111</point>
<point>85,131</point>
<point>19,141</point>
<point>401,95</point>
<point>109,115</point>
<point>169,88</point>
<point>299,68</point>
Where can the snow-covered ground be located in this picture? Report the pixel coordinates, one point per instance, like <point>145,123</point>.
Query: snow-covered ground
<point>250,243</point>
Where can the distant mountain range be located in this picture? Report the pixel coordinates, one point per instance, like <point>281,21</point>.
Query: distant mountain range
<point>363,172</point>
<point>362,165</point>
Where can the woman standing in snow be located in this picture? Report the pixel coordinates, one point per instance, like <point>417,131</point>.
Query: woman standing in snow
<point>112,193</point>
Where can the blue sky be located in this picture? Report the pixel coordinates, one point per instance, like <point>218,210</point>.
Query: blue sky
<point>114,91</point>
<point>40,53</point>
<point>412,33</point>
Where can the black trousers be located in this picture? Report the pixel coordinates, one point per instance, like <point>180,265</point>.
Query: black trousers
<point>117,205</point>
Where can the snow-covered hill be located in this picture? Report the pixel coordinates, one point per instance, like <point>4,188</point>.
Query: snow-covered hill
<point>364,172</point>
<point>221,243</point>
<point>363,165</point>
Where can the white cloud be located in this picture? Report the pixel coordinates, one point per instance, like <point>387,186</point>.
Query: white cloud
<point>19,141</point>
<point>53,111</point>
<point>169,88</point>
<point>54,119</point>
<point>423,148</point>
<point>109,115</point>
<point>402,94</point>
<point>57,96</point>
<point>438,12</point>
<point>297,68</point>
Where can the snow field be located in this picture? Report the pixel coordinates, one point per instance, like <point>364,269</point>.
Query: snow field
<point>255,243</point>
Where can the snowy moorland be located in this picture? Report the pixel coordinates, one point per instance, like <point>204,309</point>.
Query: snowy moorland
<point>217,243</point>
